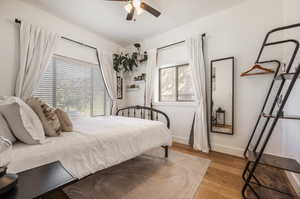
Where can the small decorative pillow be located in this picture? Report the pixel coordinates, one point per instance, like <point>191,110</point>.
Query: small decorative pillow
<point>24,123</point>
<point>51,124</point>
<point>65,121</point>
<point>52,117</point>
<point>5,130</point>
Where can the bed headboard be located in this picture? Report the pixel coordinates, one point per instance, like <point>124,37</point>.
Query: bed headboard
<point>143,112</point>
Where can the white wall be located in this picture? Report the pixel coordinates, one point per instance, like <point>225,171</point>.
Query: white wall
<point>9,37</point>
<point>239,32</point>
<point>291,129</point>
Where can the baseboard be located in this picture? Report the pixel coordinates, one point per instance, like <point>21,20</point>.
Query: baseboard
<point>215,147</point>
<point>295,182</point>
<point>228,150</point>
<point>181,140</point>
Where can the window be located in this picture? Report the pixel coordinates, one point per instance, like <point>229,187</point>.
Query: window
<point>175,84</point>
<point>174,74</point>
<point>75,86</point>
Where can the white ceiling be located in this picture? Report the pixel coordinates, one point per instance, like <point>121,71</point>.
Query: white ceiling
<point>108,17</point>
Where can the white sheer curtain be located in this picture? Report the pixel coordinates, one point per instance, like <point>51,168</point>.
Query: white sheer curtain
<point>196,60</point>
<point>110,78</point>
<point>36,48</point>
<point>150,76</point>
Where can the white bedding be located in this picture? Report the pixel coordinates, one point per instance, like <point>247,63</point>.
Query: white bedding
<point>95,144</point>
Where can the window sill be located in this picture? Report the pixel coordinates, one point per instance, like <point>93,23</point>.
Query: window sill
<point>191,104</point>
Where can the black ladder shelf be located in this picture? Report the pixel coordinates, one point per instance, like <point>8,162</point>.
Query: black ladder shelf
<point>255,155</point>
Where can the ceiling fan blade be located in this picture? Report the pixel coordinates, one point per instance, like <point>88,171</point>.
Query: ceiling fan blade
<point>150,9</point>
<point>130,15</point>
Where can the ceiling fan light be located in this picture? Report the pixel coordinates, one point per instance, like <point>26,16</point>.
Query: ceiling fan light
<point>139,10</point>
<point>136,3</point>
<point>128,7</point>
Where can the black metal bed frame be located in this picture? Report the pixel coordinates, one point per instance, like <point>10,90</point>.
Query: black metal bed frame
<point>144,112</point>
<point>256,155</point>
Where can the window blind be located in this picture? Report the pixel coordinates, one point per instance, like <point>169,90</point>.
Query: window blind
<point>45,90</point>
<point>73,85</point>
<point>172,55</point>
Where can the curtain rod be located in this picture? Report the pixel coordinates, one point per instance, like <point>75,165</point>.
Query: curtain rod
<point>65,38</point>
<point>203,35</point>
<point>89,46</point>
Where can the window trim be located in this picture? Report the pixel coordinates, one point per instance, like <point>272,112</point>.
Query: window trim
<point>176,84</point>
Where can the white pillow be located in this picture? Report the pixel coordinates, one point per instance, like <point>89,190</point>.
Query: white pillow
<point>5,131</point>
<point>24,123</point>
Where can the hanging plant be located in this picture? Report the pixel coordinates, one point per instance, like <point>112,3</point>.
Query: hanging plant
<point>126,62</point>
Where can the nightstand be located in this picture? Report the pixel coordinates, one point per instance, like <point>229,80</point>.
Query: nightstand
<point>40,181</point>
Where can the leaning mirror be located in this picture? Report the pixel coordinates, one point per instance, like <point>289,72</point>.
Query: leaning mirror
<point>222,96</point>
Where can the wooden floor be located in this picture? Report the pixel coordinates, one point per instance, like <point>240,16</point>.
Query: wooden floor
<point>223,177</point>
<point>222,180</point>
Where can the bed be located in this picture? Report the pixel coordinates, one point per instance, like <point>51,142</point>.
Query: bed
<point>95,144</point>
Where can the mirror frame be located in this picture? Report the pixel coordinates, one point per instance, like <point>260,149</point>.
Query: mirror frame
<point>211,92</point>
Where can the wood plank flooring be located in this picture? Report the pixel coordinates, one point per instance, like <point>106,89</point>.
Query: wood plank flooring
<point>222,180</point>
<point>223,177</point>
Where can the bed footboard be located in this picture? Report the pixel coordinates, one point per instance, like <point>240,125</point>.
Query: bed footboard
<point>144,112</point>
<point>166,151</point>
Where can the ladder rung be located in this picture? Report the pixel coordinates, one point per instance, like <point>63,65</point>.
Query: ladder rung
<point>276,162</point>
<point>289,117</point>
<point>285,76</point>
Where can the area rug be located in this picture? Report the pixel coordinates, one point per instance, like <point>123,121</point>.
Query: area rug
<point>149,176</point>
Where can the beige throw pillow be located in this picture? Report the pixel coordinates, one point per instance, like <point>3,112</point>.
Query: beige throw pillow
<point>5,130</point>
<point>47,116</point>
<point>65,121</point>
<point>24,123</point>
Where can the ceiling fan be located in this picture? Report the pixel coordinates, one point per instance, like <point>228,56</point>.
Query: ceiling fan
<point>138,6</point>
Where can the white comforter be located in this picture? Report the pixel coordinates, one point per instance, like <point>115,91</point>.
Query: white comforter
<point>96,144</point>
